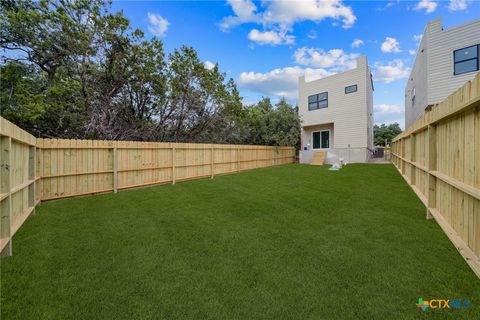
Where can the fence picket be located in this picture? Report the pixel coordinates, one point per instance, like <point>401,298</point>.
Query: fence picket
<point>452,161</point>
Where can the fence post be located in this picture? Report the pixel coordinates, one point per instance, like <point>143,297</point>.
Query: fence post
<point>212,162</point>
<point>39,166</point>
<point>31,176</point>
<point>115,170</point>
<point>412,159</point>
<point>399,149</point>
<point>238,159</point>
<point>174,155</point>
<point>6,185</point>
<point>431,166</point>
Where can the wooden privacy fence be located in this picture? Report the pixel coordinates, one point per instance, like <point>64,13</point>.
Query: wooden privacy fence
<point>18,196</point>
<point>44,169</point>
<point>77,167</point>
<point>439,156</point>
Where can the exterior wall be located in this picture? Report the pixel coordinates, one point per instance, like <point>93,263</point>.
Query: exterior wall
<point>352,155</point>
<point>369,82</point>
<point>442,43</point>
<point>432,74</point>
<point>349,113</point>
<point>349,155</point>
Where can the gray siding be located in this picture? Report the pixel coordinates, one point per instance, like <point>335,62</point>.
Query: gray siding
<point>432,73</point>
<point>442,43</point>
<point>370,118</point>
<point>349,113</point>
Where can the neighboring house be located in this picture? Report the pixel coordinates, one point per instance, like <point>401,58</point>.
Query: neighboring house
<point>337,115</point>
<point>445,60</point>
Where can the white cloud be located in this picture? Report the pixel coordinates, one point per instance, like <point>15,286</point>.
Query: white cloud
<point>387,109</point>
<point>158,25</point>
<point>245,11</point>
<point>412,52</point>
<point>393,70</point>
<point>418,37</point>
<point>357,43</point>
<point>388,5</point>
<point>288,12</point>
<point>458,5</point>
<point>428,5</point>
<point>390,45</point>
<point>335,59</point>
<point>388,114</point>
<point>209,65</point>
<point>285,13</point>
<point>281,82</point>
<point>270,37</point>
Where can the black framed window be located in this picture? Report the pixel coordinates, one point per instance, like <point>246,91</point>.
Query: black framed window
<point>318,101</point>
<point>466,60</point>
<point>351,89</point>
<point>321,139</point>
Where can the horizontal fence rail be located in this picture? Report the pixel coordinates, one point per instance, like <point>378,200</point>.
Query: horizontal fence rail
<point>439,157</point>
<point>33,169</point>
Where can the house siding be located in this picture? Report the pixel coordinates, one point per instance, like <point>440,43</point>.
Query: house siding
<point>442,43</point>
<point>370,119</point>
<point>432,73</point>
<point>347,112</point>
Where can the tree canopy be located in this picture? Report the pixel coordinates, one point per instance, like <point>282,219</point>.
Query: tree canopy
<point>74,69</point>
<point>385,133</point>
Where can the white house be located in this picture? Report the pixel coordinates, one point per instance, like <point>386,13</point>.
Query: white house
<point>446,59</point>
<point>337,116</point>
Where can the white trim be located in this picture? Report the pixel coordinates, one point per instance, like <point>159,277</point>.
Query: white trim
<point>329,139</point>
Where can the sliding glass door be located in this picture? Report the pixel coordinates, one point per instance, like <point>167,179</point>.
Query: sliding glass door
<point>321,139</point>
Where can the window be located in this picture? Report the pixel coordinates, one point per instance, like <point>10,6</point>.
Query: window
<point>351,89</point>
<point>413,96</point>
<point>321,139</point>
<point>465,60</point>
<point>318,101</point>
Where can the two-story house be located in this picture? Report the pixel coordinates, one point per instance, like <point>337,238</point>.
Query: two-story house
<point>445,60</point>
<point>337,116</point>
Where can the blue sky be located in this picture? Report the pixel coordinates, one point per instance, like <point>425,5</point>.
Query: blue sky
<point>266,45</point>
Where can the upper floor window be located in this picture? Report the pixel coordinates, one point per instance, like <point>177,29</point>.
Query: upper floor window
<point>318,101</point>
<point>466,60</point>
<point>351,89</point>
<point>414,93</point>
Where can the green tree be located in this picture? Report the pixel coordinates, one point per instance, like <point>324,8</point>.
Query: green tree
<point>54,40</point>
<point>50,34</point>
<point>384,133</point>
<point>75,69</point>
<point>266,124</point>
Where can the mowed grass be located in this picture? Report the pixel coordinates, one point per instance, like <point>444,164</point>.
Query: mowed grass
<point>286,242</point>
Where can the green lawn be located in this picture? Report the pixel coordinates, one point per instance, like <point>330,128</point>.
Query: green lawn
<point>286,242</point>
